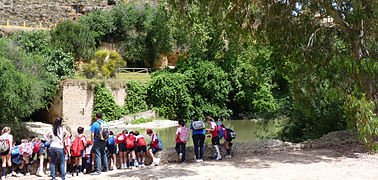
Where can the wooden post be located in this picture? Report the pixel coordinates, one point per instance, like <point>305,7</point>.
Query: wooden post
<point>7,22</point>
<point>24,24</point>
<point>40,24</point>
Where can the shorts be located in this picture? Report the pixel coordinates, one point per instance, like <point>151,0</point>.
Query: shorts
<point>228,140</point>
<point>41,149</point>
<point>82,153</point>
<point>5,152</point>
<point>154,149</point>
<point>122,147</point>
<point>215,140</point>
<point>141,149</point>
<point>131,149</point>
<point>111,149</point>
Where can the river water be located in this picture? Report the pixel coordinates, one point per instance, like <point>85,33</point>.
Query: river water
<point>246,131</point>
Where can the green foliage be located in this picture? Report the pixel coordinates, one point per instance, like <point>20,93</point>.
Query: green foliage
<point>25,84</point>
<point>34,41</point>
<point>104,102</point>
<point>170,96</point>
<point>141,120</point>
<point>136,100</point>
<point>58,62</point>
<point>74,38</point>
<point>104,62</point>
<point>101,23</point>
<point>360,117</point>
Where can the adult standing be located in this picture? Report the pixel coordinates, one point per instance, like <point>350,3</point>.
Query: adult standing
<point>99,143</point>
<point>198,135</point>
<point>214,133</point>
<point>56,150</point>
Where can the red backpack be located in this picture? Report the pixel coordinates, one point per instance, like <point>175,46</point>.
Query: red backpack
<point>77,146</point>
<point>37,146</point>
<point>121,138</point>
<point>130,139</point>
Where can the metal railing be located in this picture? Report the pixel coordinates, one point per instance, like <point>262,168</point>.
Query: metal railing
<point>8,25</point>
<point>133,70</point>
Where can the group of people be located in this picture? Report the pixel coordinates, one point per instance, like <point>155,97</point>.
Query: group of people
<point>77,155</point>
<point>199,133</point>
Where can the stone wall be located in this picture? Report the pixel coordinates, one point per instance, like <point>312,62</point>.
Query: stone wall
<point>74,101</point>
<point>47,12</point>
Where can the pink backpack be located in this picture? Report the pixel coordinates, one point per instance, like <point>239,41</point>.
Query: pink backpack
<point>27,149</point>
<point>184,134</point>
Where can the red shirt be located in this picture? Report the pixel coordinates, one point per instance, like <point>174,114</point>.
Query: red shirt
<point>154,141</point>
<point>213,125</point>
<point>178,133</point>
<point>140,141</point>
<point>130,141</point>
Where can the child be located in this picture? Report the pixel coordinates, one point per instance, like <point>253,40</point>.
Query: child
<point>78,145</point>
<point>214,133</point>
<point>87,157</point>
<point>6,137</point>
<point>130,148</point>
<point>47,145</point>
<point>39,150</point>
<point>121,141</point>
<point>111,145</point>
<point>141,148</point>
<point>67,142</point>
<point>153,147</point>
<point>26,152</point>
<point>182,136</point>
<point>17,160</point>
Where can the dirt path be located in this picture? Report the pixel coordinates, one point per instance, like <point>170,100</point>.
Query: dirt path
<point>314,164</point>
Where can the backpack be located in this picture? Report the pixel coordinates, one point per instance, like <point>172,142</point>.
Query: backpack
<point>4,144</point>
<point>77,146</point>
<point>198,125</point>
<point>130,143</point>
<point>160,143</point>
<point>121,138</point>
<point>16,154</point>
<point>220,130</point>
<point>230,134</point>
<point>103,131</point>
<point>111,140</point>
<point>27,149</point>
<point>37,146</point>
<point>184,134</point>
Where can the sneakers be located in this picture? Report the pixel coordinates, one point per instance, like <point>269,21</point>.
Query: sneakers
<point>180,156</point>
<point>13,173</point>
<point>142,165</point>
<point>68,175</point>
<point>228,156</point>
<point>27,174</point>
<point>95,173</point>
<point>157,161</point>
<point>80,174</point>
<point>218,158</point>
<point>19,175</point>
<point>132,167</point>
<point>114,167</point>
<point>2,177</point>
<point>199,160</point>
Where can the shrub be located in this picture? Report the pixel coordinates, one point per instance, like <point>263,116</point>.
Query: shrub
<point>34,41</point>
<point>74,38</point>
<point>101,23</point>
<point>104,62</point>
<point>25,84</point>
<point>170,96</point>
<point>104,102</point>
<point>136,99</point>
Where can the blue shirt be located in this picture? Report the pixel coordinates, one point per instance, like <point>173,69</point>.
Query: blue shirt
<point>195,132</point>
<point>96,128</point>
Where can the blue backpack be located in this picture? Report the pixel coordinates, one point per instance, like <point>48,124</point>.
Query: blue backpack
<point>16,155</point>
<point>220,130</point>
<point>111,140</point>
<point>160,143</point>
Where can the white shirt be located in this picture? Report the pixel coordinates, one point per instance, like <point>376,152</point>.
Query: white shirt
<point>57,141</point>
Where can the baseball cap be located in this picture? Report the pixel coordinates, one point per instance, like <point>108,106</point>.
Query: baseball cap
<point>149,131</point>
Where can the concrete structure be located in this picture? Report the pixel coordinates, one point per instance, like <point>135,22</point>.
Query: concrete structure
<point>74,101</point>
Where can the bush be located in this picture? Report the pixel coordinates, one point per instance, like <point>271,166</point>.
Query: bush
<point>74,38</point>
<point>105,62</point>
<point>34,41</point>
<point>136,99</point>
<point>25,84</point>
<point>101,23</point>
<point>170,96</point>
<point>104,102</point>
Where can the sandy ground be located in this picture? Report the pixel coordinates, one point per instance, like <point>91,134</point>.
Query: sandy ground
<point>314,164</point>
